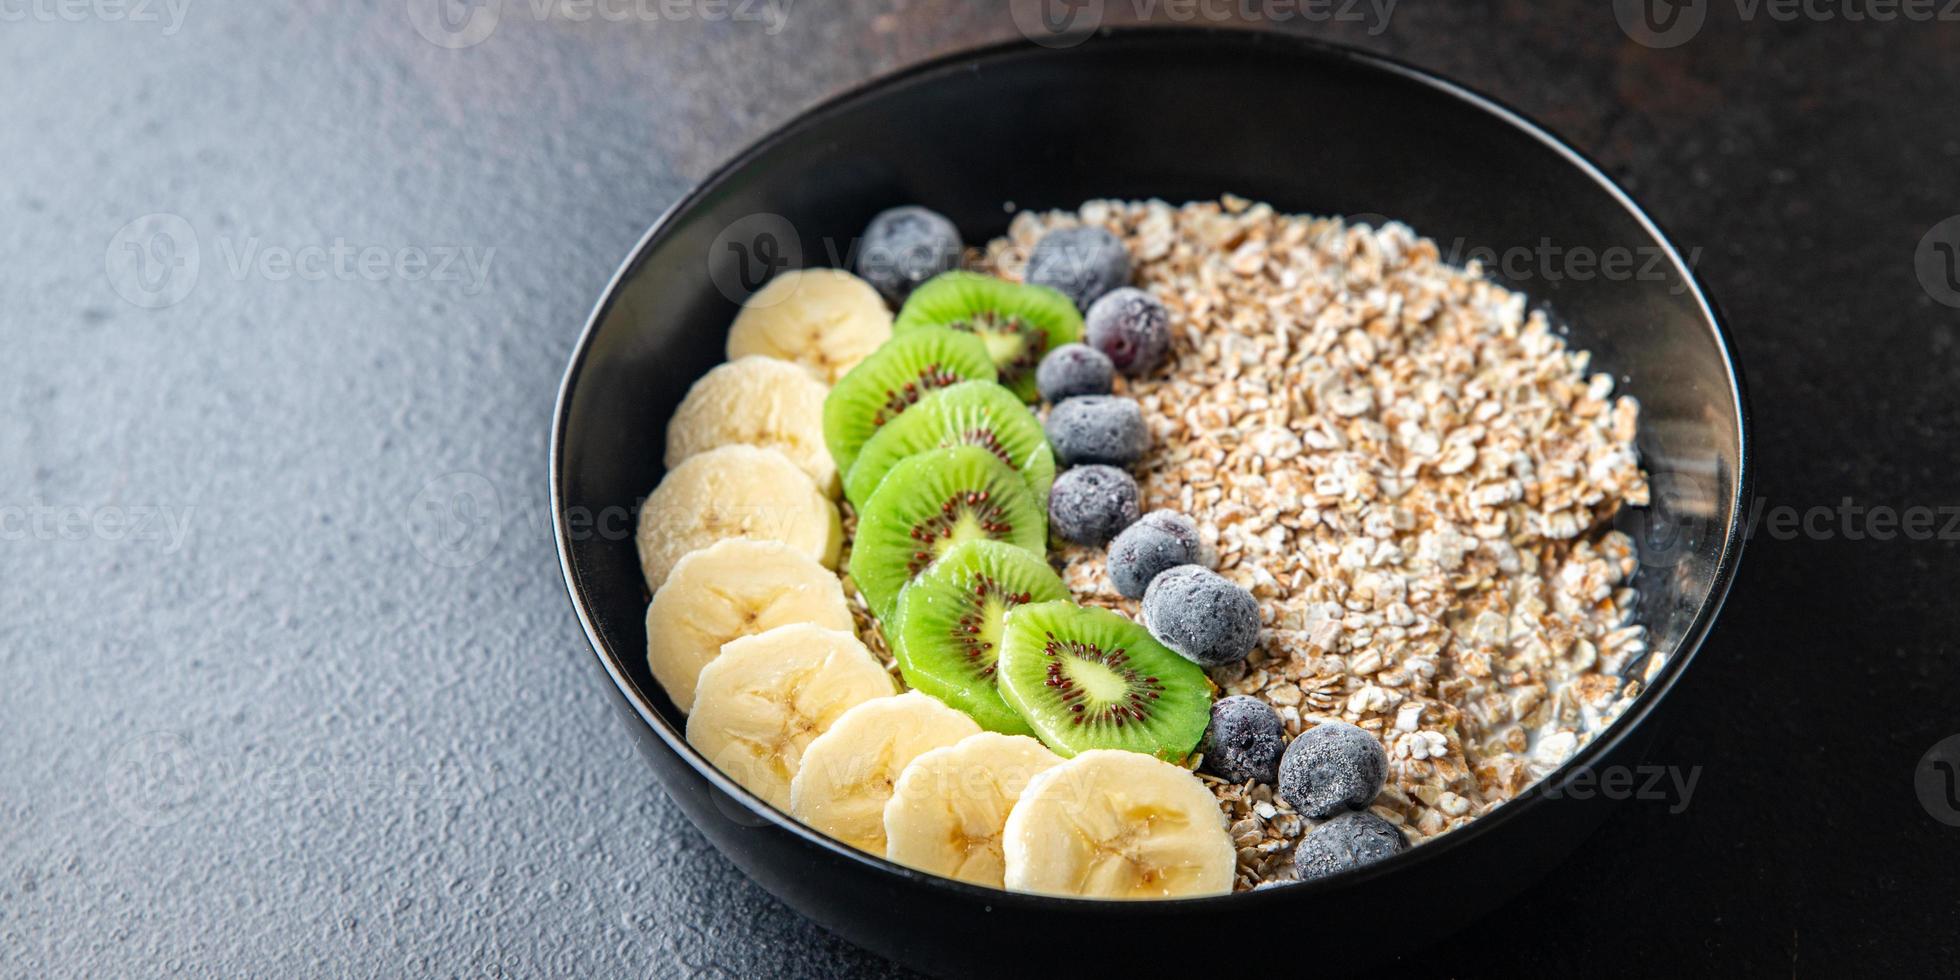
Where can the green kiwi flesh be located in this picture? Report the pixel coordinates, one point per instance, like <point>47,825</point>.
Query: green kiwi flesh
<point>1087,678</point>
<point>894,378</point>
<point>1019,323</point>
<point>971,413</point>
<point>947,630</point>
<point>931,502</point>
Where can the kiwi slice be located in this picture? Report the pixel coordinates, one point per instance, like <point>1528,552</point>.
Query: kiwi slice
<point>946,630</point>
<point>931,502</point>
<point>893,379</point>
<point>1020,323</point>
<point>971,413</point>
<point>1089,678</point>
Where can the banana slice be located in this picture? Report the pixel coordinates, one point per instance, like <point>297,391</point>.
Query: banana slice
<point>950,806</point>
<point>824,319</point>
<point>735,492</point>
<point>1114,824</point>
<point>759,705</point>
<point>847,773</point>
<point>756,401</point>
<point>731,589</point>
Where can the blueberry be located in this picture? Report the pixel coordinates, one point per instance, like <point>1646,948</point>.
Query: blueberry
<point>1200,614</point>
<point>1071,370</point>
<point>1161,540</point>
<point>1332,767</point>
<point>1132,327</point>
<point>1097,429</point>
<point>904,247</point>
<point>1244,740</point>
<point>1082,263</point>
<point>1347,841</point>
<point>1090,504</point>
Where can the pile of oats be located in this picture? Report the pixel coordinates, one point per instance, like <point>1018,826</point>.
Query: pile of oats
<point>1414,476</point>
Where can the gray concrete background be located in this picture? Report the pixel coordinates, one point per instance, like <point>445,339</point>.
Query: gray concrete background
<point>288,682</point>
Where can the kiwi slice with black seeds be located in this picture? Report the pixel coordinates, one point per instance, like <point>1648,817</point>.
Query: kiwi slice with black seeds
<point>930,502</point>
<point>1087,678</point>
<point>946,631</point>
<point>1020,323</point>
<point>971,413</point>
<point>893,379</point>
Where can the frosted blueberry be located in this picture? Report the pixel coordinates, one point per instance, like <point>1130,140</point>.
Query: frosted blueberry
<point>1244,741</point>
<point>1348,841</point>
<point>1071,370</point>
<point>1159,541</point>
<point>1205,617</point>
<point>1097,429</point>
<point>1132,327</point>
<point>1081,263</point>
<point>1090,504</point>
<point>1332,767</point>
<point>904,247</point>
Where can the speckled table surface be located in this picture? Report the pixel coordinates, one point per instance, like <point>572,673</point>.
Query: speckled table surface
<point>281,278</point>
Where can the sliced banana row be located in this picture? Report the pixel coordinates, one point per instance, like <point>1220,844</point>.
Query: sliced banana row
<point>804,718</point>
<point>1003,811</point>
<point>741,536</point>
<point>918,782</point>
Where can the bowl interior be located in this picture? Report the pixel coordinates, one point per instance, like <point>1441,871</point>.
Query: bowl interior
<point>1177,115</point>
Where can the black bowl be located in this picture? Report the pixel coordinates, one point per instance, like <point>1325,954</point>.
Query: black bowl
<point>1180,115</point>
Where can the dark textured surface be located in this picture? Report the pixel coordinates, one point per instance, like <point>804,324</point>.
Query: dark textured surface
<point>288,685</point>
